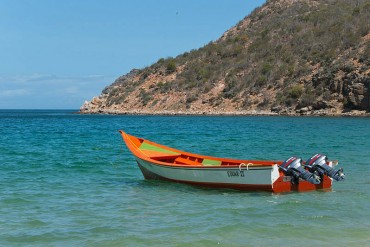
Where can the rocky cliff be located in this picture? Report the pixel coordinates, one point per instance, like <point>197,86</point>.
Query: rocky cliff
<point>287,57</point>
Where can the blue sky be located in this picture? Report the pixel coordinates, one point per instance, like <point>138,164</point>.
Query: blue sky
<point>57,54</point>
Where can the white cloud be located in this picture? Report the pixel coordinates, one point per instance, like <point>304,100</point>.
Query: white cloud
<point>72,90</point>
<point>50,91</point>
<point>14,92</point>
<point>44,78</point>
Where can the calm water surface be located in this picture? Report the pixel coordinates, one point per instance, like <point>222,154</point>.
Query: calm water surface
<point>68,180</point>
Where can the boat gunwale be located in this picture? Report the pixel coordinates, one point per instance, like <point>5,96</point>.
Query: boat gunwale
<point>200,167</point>
<point>243,164</point>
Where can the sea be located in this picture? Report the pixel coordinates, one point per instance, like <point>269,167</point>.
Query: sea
<point>68,180</point>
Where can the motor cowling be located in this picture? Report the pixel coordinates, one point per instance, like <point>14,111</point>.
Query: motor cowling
<point>319,164</point>
<point>293,167</point>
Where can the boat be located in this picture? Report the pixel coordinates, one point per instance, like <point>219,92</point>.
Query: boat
<point>157,161</point>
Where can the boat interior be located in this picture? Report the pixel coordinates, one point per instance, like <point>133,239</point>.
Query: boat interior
<point>161,153</point>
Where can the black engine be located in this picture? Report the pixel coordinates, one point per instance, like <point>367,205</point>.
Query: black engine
<point>318,164</point>
<point>293,167</point>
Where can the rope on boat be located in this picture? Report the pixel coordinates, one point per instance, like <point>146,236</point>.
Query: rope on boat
<point>243,164</point>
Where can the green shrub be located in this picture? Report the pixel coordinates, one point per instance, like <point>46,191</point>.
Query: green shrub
<point>266,68</point>
<point>295,91</point>
<point>308,97</point>
<point>171,66</point>
<point>191,97</point>
<point>145,96</point>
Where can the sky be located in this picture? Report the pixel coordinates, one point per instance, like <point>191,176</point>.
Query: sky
<point>57,54</point>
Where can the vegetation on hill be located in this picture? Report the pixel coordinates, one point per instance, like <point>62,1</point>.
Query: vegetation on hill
<point>285,55</point>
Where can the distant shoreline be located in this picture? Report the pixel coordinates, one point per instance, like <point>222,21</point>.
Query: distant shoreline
<point>353,113</point>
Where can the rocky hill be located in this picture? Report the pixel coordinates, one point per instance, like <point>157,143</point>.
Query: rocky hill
<point>287,57</point>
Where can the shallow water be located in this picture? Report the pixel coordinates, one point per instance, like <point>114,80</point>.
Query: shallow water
<point>68,180</point>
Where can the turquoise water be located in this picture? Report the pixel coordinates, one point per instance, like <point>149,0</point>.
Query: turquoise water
<point>68,180</point>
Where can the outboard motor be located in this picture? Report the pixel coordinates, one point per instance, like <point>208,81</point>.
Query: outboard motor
<point>318,164</point>
<point>293,167</point>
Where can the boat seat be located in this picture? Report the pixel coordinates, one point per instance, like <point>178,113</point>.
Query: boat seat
<point>181,160</point>
<point>158,155</point>
<point>207,162</point>
<point>156,152</point>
